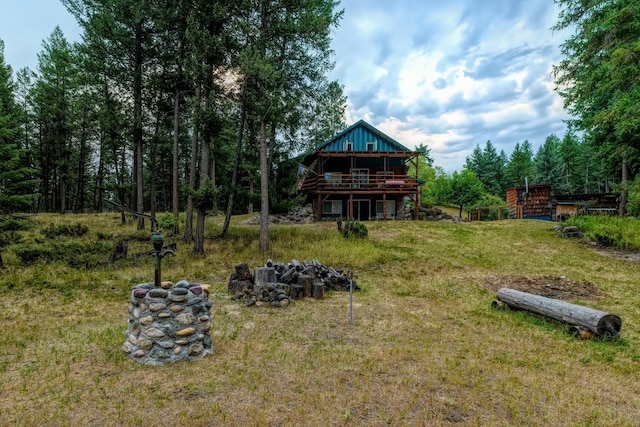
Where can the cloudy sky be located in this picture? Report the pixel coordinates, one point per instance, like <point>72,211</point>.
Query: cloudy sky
<point>450,74</point>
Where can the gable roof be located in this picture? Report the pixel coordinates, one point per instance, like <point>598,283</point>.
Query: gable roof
<point>359,134</point>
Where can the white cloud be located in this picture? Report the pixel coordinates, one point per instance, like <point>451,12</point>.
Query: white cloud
<point>452,75</point>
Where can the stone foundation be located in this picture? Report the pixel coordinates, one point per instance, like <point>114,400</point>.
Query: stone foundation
<point>168,324</point>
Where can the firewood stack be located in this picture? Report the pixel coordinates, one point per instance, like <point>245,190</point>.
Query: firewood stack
<point>277,283</point>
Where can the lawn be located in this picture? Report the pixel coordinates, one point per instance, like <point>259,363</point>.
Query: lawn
<point>425,346</point>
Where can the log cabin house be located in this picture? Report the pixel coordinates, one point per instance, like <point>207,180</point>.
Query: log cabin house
<point>360,173</point>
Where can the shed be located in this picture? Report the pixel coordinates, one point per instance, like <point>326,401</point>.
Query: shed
<point>530,202</point>
<point>567,205</point>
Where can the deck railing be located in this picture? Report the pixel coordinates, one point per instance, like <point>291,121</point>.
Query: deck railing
<point>345,182</point>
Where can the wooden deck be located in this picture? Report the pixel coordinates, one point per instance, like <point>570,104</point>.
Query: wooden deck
<point>360,184</point>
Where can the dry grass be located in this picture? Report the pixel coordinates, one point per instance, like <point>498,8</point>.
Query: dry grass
<point>425,348</point>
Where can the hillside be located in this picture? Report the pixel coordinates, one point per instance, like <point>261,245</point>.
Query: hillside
<point>425,347</point>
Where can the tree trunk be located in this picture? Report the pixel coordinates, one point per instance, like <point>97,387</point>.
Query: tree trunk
<point>137,123</point>
<point>598,322</point>
<point>188,224</point>
<point>80,196</point>
<point>198,244</point>
<point>622,207</point>
<point>153,169</point>
<point>175,164</point>
<point>264,189</point>
<point>236,161</point>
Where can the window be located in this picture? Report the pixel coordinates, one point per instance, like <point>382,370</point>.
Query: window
<point>333,178</point>
<point>391,209</point>
<point>371,146</point>
<point>359,177</point>
<point>348,146</point>
<point>382,176</point>
<point>332,207</point>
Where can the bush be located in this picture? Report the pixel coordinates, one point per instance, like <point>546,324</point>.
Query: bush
<point>166,221</point>
<point>487,204</point>
<point>74,230</point>
<point>352,228</point>
<point>74,254</point>
<point>8,223</point>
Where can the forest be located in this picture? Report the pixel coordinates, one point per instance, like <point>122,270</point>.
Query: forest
<point>198,106</point>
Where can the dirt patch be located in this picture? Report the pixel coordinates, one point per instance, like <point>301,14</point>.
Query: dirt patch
<point>548,286</point>
<point>618,254</point>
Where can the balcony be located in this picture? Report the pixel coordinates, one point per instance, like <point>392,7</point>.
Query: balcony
<point>346,183</point>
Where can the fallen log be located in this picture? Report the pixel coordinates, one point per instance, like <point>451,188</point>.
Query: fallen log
<point>600,323</point>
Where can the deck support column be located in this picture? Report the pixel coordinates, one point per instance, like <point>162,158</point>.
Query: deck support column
<point>351,206</point>
<point>384,206</point>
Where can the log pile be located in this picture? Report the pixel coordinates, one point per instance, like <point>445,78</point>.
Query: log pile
<point>278,283</point>
<point>311,272</point>
<point>271,294</point>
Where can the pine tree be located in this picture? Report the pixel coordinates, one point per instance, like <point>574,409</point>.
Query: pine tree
<point>520,166</point>
<point>549,166</point>
<point>489,167</point>
<point>16,184</point>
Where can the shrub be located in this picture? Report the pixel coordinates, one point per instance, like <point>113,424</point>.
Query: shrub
<point>487,204</point>
<point>8,223</point>
<point>76,255</point>
<point>352,228</point>
<point>166,221</point>
<point>74,230</point>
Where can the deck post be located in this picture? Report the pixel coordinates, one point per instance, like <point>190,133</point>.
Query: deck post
<point>384,206</point>
<point>351,206</point>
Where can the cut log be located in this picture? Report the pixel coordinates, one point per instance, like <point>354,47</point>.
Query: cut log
<point>297,291</point>
<point>307,283</point>
<point>318,290</point>
<point>264,275</point>
<point>289,276</point>
<point>238,286</point>
<point>243,272</point>
<point>599,322</point>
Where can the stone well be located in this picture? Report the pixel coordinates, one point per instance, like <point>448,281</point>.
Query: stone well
<point>168,324</point>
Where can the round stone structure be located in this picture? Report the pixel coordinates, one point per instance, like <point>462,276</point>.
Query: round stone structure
<point>168,324</point>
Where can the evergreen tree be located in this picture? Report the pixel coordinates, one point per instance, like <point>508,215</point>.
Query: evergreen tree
<point>285,60</point>
<point>549,167</point>
<point>15,182</point>
<point>489,167</point>
<point>569,152</point>
<point>53,99</point>
<point>598,77</point>
<point>326,115</point>
<point>520,165</point>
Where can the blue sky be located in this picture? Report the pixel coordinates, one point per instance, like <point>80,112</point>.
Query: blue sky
<point>450,74</point>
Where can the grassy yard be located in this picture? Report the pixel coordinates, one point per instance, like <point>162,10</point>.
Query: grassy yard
<point>425,346</point>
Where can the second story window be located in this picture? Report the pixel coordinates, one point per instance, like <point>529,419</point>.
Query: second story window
<point>371,146</point>
<point>348,146</point>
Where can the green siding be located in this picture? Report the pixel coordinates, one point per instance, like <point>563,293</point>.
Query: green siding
<point>359,135</point>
